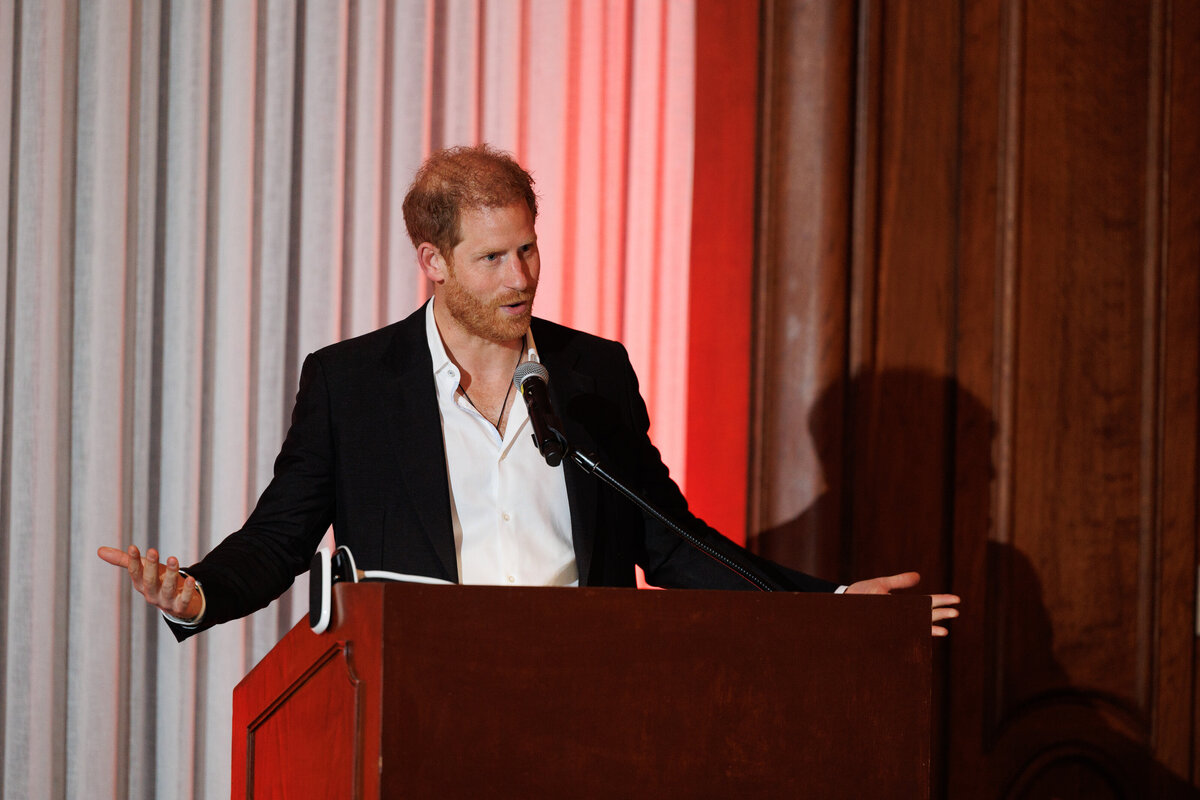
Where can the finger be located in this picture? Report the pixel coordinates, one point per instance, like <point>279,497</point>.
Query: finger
<point>118,558</point>
<point>135,566</point>
<point>944,613</point>
<point>170,577</point>
<point>184,600</point>
<point>871,586</point>
<point>150,573</point>
<point>940,600</point>
<point>938,630</point>
<point>905,580</point>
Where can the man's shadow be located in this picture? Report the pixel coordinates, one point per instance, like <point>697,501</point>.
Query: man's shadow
<point>906,458</point>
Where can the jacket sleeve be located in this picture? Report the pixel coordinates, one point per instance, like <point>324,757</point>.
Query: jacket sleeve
<point>258,563</point>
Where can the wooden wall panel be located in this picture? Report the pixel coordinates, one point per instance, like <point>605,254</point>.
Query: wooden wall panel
<point>1176,491</point>
<point>799,321</point>
<point>1082,376</point>
<point>1077,635</point>
<point>1011,403</point>
<point>902,310</point>
<point>897,404</point>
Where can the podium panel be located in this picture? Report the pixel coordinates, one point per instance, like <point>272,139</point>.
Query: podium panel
<point>457,691</point>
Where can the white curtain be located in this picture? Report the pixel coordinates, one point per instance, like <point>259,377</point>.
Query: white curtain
<point>195,195</point>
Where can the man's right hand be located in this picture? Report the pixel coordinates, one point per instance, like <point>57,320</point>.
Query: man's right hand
<point>161,584</point>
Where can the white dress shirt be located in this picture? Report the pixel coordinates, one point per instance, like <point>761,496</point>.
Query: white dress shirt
<point>511,517</point>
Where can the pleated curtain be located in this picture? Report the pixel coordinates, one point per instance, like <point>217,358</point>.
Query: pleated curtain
<point>197,194</point>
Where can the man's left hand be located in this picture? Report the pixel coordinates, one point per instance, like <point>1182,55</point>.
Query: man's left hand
<point>942,603</point>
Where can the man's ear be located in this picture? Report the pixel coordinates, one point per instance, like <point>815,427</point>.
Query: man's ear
<point>432,263</point>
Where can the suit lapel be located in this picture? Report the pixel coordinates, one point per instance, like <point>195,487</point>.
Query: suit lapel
<point>415,428</point>
<point>557,353</point>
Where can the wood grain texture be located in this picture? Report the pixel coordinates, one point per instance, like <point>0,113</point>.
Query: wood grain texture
<point>324,702</point>
<point>1016,412</point>
<point>799,320</point>
<point>307,719</point>
<point>1079,365</point>
<point>544,692</point>
<point>1175,493</point>
<point>901,295</point>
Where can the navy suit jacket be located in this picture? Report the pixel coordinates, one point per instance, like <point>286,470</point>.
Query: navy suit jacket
<point>365,454</point>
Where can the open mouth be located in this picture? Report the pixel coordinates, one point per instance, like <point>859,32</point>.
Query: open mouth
<point>517,306</point>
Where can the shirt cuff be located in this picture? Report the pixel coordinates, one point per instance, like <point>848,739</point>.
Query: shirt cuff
<point>191,623</point>
<point>839,590</point>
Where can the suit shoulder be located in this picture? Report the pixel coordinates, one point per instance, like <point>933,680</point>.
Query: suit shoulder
<point>370,348</point>
<point>374,342</point>
<point>552,336</point>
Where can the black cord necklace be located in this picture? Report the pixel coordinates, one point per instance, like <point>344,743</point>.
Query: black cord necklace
<point>504,405</point>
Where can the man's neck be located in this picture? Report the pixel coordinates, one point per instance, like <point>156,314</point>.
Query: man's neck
<point>477,358</point>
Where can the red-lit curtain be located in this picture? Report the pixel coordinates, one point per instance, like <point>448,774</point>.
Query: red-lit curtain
<point>596,98</point>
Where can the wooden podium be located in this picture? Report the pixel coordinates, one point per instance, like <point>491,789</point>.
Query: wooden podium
<point>462,691</point>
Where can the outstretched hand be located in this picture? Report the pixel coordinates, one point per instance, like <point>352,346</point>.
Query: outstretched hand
<point>942,603</point>
<point>161,584</point>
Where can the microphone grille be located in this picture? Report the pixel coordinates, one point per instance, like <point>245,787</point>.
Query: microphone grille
<point>530,369</point>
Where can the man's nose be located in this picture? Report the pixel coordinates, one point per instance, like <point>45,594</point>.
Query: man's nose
<point>518,271</point>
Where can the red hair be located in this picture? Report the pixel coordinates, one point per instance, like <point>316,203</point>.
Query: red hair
<point>457,179</point>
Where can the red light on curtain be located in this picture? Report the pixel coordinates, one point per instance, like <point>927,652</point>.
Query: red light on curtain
<point>598,100</point>
<point>722,262</point>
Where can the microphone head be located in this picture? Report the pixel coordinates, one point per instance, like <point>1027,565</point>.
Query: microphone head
<point>530,369</point>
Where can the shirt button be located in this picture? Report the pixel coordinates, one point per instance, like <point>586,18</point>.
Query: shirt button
<point>511,579</point>
<point>506,518</point>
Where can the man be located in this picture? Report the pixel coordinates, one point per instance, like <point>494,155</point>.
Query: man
<point>411,442</point>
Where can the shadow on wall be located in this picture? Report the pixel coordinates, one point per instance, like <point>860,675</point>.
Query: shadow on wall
<point>1064,741</point>
<point>906,458</point>
<point>887,445</point>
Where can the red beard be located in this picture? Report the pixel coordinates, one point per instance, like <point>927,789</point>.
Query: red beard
<point>485,318</point>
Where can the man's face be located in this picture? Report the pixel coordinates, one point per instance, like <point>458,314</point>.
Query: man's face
<point>492,274</point>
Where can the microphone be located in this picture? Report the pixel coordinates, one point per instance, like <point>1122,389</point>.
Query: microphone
<point>531,379</point>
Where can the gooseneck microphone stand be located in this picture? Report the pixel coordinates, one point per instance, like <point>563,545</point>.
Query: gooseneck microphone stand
<point>745,570</point>
<point>532,378</point>
<point>741,567</point>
